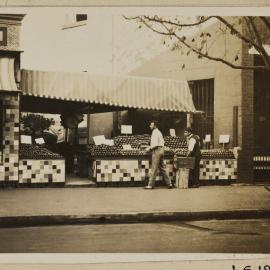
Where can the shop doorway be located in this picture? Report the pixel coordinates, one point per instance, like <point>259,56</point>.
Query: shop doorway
<point>261,124</point>
<point>203,98</point>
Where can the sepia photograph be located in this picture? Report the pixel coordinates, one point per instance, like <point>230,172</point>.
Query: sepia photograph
<point>134,130</point>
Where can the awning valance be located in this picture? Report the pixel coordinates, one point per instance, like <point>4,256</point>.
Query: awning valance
<point>117,91</point>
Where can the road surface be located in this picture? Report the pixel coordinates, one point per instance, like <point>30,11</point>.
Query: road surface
<point>215,236</point>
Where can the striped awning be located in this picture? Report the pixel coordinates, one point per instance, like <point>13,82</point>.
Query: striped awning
<point>7,78</point>
<point>120,91</point>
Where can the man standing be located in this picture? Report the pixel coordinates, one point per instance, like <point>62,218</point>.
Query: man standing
<point>194,150</point>
<point>157,148</point>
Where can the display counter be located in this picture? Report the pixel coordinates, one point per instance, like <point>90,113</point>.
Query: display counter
<point>38,165</point>
<point>112,164</point>
<point>136,169</point>
<point>133,168</point>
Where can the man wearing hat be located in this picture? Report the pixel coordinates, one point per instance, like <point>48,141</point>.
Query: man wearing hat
<point>194,150</point>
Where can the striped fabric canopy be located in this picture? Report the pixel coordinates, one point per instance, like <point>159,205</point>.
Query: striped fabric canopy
<point>119,91</point>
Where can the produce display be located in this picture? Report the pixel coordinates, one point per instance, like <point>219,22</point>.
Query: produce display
<point>175,142</point>
<point>182,152</point>
<point>143,139</point>
<point>29,151</point>
<point>173,146</point>
<point>217,154</point>
<point>119,141</point>
<point>134,152</point>
<point>104,150</point>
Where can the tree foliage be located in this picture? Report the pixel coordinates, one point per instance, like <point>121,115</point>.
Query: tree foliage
<point>254,32</point>
<point>35,124</point>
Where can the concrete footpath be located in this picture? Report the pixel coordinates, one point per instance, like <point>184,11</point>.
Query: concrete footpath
<point>51,206</point>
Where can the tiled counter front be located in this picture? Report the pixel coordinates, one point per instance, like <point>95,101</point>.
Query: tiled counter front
<point>41,171</point>
<point>9,164</point>
<point>127,170</point>
<point>136,170</point>
<point>218,169</point>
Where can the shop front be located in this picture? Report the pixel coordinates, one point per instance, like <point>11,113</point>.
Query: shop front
<point>122,159</point>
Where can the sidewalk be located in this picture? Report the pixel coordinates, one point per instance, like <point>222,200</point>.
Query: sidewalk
<point>41,206</point>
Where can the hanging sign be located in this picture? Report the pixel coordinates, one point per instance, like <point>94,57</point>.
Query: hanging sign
<point>224,138</point>
<point>26,139</point>
<point>172,132</point>
<point>100,139</point>
<point>39,141</point>
<point>126,129</point>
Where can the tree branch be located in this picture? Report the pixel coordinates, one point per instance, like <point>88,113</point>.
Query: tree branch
<point>204,55</point>
<point>266,22</point>
<point>237,33</point>
<point>160,20</point>
<point>249,28</point>
<point>218,59</point>
<point>262,50</point>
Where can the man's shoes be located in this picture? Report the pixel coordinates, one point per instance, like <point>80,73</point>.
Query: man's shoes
<point>171,186</point>
<point>148,187</point>
<point>195,186</point>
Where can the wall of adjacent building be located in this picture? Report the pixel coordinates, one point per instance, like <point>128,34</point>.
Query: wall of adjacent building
<point>227,81</point>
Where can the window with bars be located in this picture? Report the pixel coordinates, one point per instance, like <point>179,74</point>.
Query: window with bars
<point>203,97</point>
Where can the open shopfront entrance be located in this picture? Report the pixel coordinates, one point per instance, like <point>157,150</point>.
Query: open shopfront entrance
<point>261,124</point>
<point>82,93</point>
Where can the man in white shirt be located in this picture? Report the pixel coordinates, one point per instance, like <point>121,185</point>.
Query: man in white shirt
<point>157,148</point>
<point>194,150</point>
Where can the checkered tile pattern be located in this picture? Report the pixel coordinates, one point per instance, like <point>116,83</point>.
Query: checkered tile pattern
<point>218,169</point>
<point>129,170</point>
<point>138,170</point>
<point>41,171</point>
<point>10,155</point>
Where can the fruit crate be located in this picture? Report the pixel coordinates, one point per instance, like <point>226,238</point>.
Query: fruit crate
<point>184,162</point>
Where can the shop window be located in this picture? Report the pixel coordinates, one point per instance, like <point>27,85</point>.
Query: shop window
<point>203,97</point>
<point>75,20</point>
<point>81,17</point>
<point>3,36</point>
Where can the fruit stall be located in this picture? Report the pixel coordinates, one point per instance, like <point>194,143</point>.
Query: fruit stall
<point>114,164</point>
<point>40,165</point>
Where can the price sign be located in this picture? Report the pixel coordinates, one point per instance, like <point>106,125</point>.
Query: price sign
<point>127,147</point>
<point>39,141</point>
<point>26,139</point>
<point>224,138</point>
<point>109,142</point>
<point>172,132</point>
<point>126,129</point>
<point>207,138</point>
<point>100,139</point>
